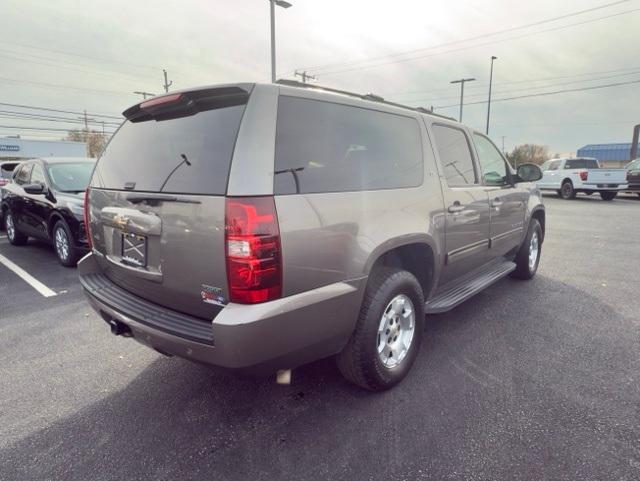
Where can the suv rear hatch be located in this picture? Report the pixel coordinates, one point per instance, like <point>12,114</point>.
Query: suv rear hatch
<point>157,198</point>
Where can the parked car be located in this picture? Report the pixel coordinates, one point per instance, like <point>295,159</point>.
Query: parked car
<point>571,176</point>
<point>45,201</point>
<point>257,226</point>
<point>6,173</point>
<point>633,177</point>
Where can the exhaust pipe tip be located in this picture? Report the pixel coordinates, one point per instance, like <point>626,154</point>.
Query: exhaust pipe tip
<point>117,328</point>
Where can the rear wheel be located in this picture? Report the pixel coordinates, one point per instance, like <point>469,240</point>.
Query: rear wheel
<point>528,257</point>
<point>608,195</point>
<point>388,333</point>
<point>16,237</point>
<point>567,191</point>
<point>63,244</point>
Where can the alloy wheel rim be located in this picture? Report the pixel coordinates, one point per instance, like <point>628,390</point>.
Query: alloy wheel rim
<point>534,248</point>
<point>62,243</point>
<point>566,189</point>
<point>396,331</point>
<point>10,228</point>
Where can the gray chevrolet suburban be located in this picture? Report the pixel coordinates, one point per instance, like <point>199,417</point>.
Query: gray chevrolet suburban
<point>266,226</point>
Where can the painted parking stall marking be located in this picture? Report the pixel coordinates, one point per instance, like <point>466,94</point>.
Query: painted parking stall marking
<point>28,278</point>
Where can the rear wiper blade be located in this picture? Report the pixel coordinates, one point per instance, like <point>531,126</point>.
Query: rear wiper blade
<point>138,198</point>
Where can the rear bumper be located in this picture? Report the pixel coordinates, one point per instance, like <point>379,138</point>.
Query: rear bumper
<point>633,187</point>
<point>602,187</point>
<point>279,334</point>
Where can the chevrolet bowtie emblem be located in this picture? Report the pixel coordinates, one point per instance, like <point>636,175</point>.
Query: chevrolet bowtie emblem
<point>121,221</point>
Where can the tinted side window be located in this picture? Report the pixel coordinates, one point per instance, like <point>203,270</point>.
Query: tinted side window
<point>23,175</point>
<point>591,164</point>
<point>37,176</point>
<point>327,147</point>
<point>455,155</point>
<point>554,165</point>
<point>574,164</point>
<point>494,168</point>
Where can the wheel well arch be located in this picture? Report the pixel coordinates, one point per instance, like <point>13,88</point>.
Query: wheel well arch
<point>566,179</point>
<point>417,258</point>
<point>540,216</point>
<point>53,219</point>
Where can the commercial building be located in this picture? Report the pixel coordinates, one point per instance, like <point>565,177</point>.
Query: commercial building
<point>12,148</point>
<point>609,155</point>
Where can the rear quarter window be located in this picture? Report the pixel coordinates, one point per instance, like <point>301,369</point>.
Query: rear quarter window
<point>328,147</point>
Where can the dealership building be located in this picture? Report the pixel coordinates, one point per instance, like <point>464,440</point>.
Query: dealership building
<point>609,155</point>
<point>13,148</point>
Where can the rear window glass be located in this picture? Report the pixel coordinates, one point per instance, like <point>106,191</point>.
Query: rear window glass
<point>189,155</point>
<point>328,147</point>
<point>581,164</point>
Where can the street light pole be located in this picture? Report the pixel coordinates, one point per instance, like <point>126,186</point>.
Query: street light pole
<point>272,8</point>
<point>490,84</point>
<point>462,81</point>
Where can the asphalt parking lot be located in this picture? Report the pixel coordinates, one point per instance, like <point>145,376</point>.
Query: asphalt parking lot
<point>527,381</point>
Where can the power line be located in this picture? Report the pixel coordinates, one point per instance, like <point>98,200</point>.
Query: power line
<point>544,94</point>
<point>67,87</point>
<point>509,82</point>
<point>37,119</point>
<point>408,59</point>
<point>468,39</point>
<point>39,128</point>
<point>74,54</point>
<point>48,117</point>
<point>48,109</point>
<point>429,99</point>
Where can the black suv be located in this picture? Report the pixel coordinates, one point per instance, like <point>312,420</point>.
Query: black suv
<point>45,201</point>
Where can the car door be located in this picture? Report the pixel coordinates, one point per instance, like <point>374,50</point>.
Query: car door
<point>16,195</point>
<point>506,200</point>
<point>37,206</point>
<point>550,179</point>
<point>465,200</point>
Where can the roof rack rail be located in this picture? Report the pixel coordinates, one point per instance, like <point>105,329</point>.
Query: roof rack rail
<point>369,96</point>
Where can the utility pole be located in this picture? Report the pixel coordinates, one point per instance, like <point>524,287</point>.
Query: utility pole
<point>304,75</point>
<point>86,120</point>
<point>503,145</point>
<point>144,94</point>
<point>490,83</point>
<point>167,83</point>
<point>462,81</point>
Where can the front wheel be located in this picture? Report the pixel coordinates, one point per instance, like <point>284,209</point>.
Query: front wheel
<point>608,195</point>
<point>63,244</point>
<point>388,333</point>
<point>16,237</point>
<point>528,256</point>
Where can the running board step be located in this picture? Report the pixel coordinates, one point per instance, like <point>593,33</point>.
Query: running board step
<point>468,286</point>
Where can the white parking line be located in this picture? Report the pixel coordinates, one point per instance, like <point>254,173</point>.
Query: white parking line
<point>28,278</point>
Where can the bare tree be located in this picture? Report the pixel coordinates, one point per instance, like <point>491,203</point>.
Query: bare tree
<point>528,154</point>
<point>95,140</point>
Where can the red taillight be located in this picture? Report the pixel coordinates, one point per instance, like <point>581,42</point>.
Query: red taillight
<point>87,217</point>
<point>3,182</point>
<point>252,242</point>
<point>584,175</point>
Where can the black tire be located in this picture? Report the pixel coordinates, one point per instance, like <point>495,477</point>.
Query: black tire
<point>638,194</point>
<point>524,269</point>
<point>567,191</point>
<point>15,237</point>
<point>608,195</point>
<point>359,361</point>
<point>60,234</point>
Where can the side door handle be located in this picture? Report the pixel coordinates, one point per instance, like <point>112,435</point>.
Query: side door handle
<point>456,207</point>
<point>497,202</point>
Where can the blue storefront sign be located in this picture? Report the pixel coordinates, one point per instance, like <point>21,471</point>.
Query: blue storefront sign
<point>9,148</point>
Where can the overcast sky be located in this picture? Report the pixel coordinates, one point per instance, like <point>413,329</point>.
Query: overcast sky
<point>121,46</point>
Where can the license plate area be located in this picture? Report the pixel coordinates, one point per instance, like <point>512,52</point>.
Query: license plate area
<point>134,250</point>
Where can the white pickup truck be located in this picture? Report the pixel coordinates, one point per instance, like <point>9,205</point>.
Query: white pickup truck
<point>570,176</point>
